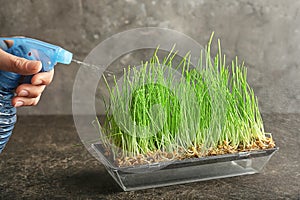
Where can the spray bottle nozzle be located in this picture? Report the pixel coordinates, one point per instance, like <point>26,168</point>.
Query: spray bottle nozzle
<point>64,56</point>
<point>32,49</point>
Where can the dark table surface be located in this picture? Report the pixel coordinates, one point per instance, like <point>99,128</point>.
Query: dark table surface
<point>44,159</point>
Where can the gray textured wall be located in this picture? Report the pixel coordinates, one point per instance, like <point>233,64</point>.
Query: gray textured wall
<point>266,34</point>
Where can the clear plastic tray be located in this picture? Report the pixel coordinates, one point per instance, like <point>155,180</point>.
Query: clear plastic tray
<point>186,171</point>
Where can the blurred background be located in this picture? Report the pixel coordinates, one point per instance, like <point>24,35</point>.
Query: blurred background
<point>265,34</point>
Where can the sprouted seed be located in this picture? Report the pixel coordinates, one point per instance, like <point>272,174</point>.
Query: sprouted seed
<point>209,110</point>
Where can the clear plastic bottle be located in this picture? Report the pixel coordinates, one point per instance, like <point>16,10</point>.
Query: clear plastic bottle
<point>8,117</point>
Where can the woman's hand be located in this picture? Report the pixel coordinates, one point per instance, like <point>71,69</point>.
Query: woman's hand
<point>26,94</point>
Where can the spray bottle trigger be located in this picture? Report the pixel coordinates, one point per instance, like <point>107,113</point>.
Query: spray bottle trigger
<point>27,79</point>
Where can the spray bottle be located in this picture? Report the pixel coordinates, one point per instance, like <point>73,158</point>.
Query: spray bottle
<point>30,49</point>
